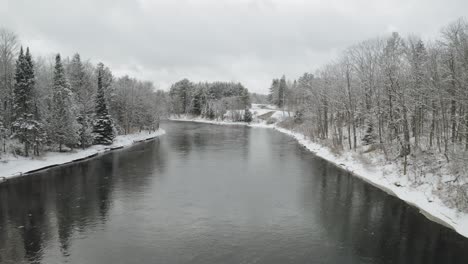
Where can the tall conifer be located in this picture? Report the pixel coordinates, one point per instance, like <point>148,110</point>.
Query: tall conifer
<point>103,128</point>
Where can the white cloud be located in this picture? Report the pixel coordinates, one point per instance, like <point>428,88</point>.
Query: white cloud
<point>251,41</point>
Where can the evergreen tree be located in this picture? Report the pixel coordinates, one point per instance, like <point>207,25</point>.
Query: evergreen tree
<point>245,97</point>
<point>196,104</point>
<point>298,117</point>
<point>370,135</point>
<point>63,128</point>
<point>26,128</point>
<point>180,96</point>
<point>281,92</point>
<point>247,116</point>
<point>37,135</point>
<point>85,130</point>
<point>22,90</point>
<point>76,75</point>
<point>273,95</point>
<point>80,87</point>
<point>103,128</point>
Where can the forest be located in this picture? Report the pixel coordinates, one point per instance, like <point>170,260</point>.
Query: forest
<point>57,104</point>
<point>401,97</point>
<point>211,100</point>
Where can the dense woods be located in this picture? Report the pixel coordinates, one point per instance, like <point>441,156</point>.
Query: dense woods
<point>402,97</point>
<point>210,100</point>
<point>52,104</point>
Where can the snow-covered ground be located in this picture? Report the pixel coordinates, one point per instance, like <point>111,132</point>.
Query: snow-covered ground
<point>258,110</point>
<point>219,122</point>
<point>385,175</point>
<point>11,166</point>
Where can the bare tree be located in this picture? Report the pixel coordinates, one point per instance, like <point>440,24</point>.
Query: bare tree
<point>9,46</point>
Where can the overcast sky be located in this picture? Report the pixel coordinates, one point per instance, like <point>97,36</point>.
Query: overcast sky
<point>250,41</point>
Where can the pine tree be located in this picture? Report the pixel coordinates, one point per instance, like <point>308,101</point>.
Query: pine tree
<point>76,75</point>
<point>369,136</point>
<point>281,91</point>
<point>180,95</point>
<point>80,87</point>
<point>197,102</point>
<point>103,128</point>
<point>273,95</point>
<point>85,130</point>
<point>247,115</point>
<point>26,128</point>
<point>22,93</point>
<point>245,97</point>
<point>298,117</point>
<point>63,128</point>
<point>36,129</point>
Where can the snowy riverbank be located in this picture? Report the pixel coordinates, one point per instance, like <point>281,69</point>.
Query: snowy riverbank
<point>11,167</point>
<point>218,122</point>
<point>375,171</point>
<point>389,180</point>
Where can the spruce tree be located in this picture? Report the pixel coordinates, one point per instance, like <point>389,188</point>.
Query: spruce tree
<point>26,126</point>
<point>180,95</point>
<point>63,128</point>
<point>281,91</point>
<point>80,86</point>
<point>103,128</point>
<point>36,131</point>
<point>245,97</point>
<point>369,135</point>
<point>22,94</point>
<point>76,75</point>
<point>197,101</point>
<point>85,130</point>
<point>273,95</point>
<point>247,115</point>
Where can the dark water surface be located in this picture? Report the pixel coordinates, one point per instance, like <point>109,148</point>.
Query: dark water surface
<point>213,194</point>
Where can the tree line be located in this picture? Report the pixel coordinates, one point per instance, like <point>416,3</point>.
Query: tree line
<point>278,91</point>
<point>215,100</point>
<point>403,96</point>
<point>68,102</point>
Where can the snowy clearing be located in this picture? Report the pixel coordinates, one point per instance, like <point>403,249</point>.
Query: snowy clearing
<point>381,174</point>
<point>11,167</point>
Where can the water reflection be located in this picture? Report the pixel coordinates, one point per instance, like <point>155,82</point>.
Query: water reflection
<point>54,206</point>
<point>213,194</point>
<point>375,226</point>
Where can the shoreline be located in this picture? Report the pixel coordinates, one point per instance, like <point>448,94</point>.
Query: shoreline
<point>27,166</point>
<point>434,210</point>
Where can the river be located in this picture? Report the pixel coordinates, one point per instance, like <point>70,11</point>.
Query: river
<point>213,194</point>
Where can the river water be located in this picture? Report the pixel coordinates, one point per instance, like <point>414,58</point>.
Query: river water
<point>213,194</point>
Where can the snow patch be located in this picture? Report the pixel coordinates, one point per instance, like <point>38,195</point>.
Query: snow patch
<point>11,167</point>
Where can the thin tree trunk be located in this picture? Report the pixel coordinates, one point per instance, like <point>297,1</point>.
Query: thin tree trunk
<point>431,135</point>
<point>466,131</point>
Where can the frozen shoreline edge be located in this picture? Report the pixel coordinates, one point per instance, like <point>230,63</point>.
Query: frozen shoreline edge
<point>87,155</point>
<point>427,209</point>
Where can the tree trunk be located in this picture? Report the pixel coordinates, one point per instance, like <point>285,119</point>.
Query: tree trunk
<point>431,135</point>
<point>406,133</point>
<point>26,149</point>
<point>325,119</point>
<point>453,110</point>
<point>349,131</point>
<point>466,131</point>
